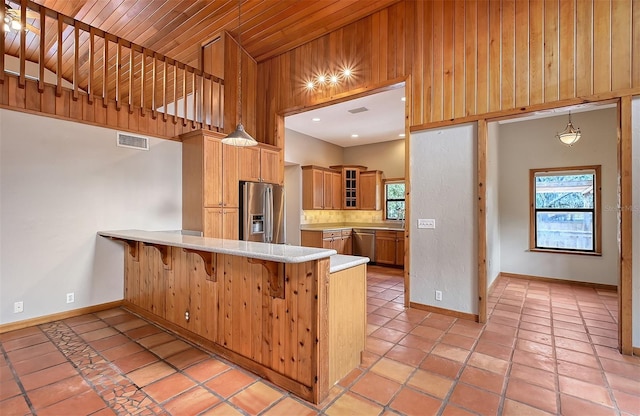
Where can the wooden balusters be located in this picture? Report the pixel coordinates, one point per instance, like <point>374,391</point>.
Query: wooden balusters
<point>131,68</point>
<point>41,63</point>
<point>76,61</point>
<point>105,72</point>
<point>118,71</point>
<point>91,65</point>
<point>23,43</point>
<point>143,75</point>
<point>59,60</point>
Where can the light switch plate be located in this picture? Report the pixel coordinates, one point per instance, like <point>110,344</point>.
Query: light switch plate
<point>426,223</point>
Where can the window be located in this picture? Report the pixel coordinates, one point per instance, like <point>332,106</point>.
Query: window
<point>565,209</point>
<point>394,199</point>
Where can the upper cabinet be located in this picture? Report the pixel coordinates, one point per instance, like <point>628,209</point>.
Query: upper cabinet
<point>261,164</point>
<point>341,187</point>
<point>321,188</point>
<point>370,190</point>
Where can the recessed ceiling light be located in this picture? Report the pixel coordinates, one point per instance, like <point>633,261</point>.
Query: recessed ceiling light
<point>316,119</point>
<point>403,99</point>
<point>401,135</point>
<point>355,136</point>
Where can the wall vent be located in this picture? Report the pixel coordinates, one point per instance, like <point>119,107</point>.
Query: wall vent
<point>358,110</point>
<point>133,142</point>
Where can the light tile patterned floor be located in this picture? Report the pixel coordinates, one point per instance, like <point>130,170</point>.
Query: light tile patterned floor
<point>546,349</point>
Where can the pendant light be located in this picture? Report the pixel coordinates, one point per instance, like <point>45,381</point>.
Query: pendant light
<point>239,137</point>
<point>570,135</point>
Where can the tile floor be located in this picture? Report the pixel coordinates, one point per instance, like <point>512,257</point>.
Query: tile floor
<point>546,349</point>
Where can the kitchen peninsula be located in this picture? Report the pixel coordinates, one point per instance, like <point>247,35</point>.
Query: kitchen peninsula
<point>293,315</point>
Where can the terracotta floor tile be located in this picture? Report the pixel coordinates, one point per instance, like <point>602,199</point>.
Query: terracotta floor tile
<point>24,342</point>
<point>169,387</point>
<point>372,328</point>
<point>15,406</point>
<point>534,347</point>
<point>584,390</point>
<point>450,352</point>
<point>98,334</point>
<point>466,328</point>
<point>513,408</point>
<point>532,375</point>
<point>230,383</point>
<point>80,320</point>
<point>608,342</point>
<point>150,373</point>
<point>483,379</point>
<point>350,404</point>
<point>494,350</point>
<point>574,406</point>
<point>402,326</point>
<point>536,320</point>
<point>590,375</point>
<point>453,410</point>
<point>118,319</point>
<point>566,333</point>
<point>474,399</point>
<point>47,376</point>
<point>458,341</point>
<point>498,338</point>
<point>170,348</point>
<point>389,313</point>
<point>431,383</point>
<point>376,388</point>
<point>290,406</point>
<point>368,359</point>
<point>130,324</point>
<point>532,395</point>
<point>111,313</point>
<point>377,319</point>
<point>406,355</point>
<point>538,337</point>
<point>628,385</point>
<point>543,329</point>
<point>348,380</point>
<point>388,334</point>
<point>427,332</point>
<point>19,333</point>
<point>156,339</point>
<point>44,361</point>
<point>89,327</point>
<point>441,366</point>
<point>187,357</point>
<point>191,402</point>
<point>223,409</point>
<point>31,352</point>
<point>577,357</point>
<point>134,361</point>
<point>570,326</point>
<point>122,350</point>
<point>574,345</point>
<point>627,402</point>
<point>8,389</point>
<point>142,332</point>
<point>82,404</point>
<point>489,363</point>
<point>378,346</point>
<point>392,370</point>
<point>56,392</point>
<point>621,368</point>
<point>420,343</point>
<point>412,403</point>
<point>257,397</point>
<point>109,342</point>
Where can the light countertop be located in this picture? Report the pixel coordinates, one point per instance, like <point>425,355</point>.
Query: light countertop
<point>264,251</point>
<point>341,262</point>
<point>331,227</point>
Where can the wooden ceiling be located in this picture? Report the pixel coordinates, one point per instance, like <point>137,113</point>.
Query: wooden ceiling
<point>177,29</point>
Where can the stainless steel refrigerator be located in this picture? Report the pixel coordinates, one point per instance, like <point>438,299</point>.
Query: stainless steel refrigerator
<point>262,206</point>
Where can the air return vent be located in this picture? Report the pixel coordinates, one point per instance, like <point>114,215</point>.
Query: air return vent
<point>133,142</point>
<point>358,110</point>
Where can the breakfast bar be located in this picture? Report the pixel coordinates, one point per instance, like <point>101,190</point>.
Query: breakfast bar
<point>293,315</point>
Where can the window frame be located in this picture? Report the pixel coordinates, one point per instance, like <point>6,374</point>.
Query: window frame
<point>404,199</point>
<point>597,211</point>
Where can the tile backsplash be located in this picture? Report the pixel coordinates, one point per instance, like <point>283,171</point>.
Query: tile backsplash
<point>337,216</point>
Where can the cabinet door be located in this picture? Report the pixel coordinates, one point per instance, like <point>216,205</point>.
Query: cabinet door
<point>221,223</point>
<point>400,248</point>
<point>270,170</point>
<point>231,223</point>
<point>336,190</point>
<point>350,178</point>
<point>212,226</point>
<point>212,172</point>
<point>386,247</point>
<point>312,189</point>
<point>370,184</point>
<point>311,239</point>
<point>249,160</point>
<point>327,190</point>
<point>230,176</point>
<point>347,245</point>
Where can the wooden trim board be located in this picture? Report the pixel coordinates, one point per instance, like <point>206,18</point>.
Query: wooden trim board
<point>558,280</point>
<point>443,311</point>
<point>482,151</point>
<point>13,326</point>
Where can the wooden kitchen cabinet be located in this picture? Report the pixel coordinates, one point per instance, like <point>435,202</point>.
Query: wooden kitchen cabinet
<point>260,164</point>
<point>209,182</point>
<point>390,247</point>
<point>319,188</point>
<point>350,185</point>
<point>222,223</point>
<point>370,184</point>
<point>338,240</point>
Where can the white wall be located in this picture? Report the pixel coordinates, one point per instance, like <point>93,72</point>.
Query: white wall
<point>532,144</point>
<point>386,156</point>
<point>306,150</point>
<point>60,183</point>
<point>635,272</point>
<point>443,187</point>
<point>493,206</point>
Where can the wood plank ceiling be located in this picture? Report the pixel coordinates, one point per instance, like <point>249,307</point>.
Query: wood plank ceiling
<point>177,29</point>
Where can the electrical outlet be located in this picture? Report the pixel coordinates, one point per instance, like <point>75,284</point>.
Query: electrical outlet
<point>18,307</point>
<point>438,295</point>
<point>71,297</point>
<point>426,223</point>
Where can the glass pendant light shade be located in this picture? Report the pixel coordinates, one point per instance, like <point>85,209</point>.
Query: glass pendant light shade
<point>239,137</point>
<point>570,135</point>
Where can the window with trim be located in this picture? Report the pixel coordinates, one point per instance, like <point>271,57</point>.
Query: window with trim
<point>565,209</point>
<point>394,206</point>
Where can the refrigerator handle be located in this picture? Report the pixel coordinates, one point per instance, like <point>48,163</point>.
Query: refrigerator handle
<point>270,215</point>
<point>268,207</point>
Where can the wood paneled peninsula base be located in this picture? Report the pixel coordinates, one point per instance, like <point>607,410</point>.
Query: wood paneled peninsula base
<point>293,315</point>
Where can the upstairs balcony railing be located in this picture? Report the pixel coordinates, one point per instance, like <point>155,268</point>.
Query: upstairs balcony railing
<point>41,46</point>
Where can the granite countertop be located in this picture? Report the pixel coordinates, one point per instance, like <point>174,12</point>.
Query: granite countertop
<point>340,262</point>
<point>264,251</point>
<point>330,227</point>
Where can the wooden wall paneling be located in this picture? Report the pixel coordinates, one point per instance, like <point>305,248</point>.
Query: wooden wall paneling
<point>3,36</point>
<point>621,47</point>
<point>567,45</point>
<point>482,149</point>
<point>306,293</point>
<point>258,313</point>
<point>521,51</point>
<point>602,46</point>
<point>472,50</point>
<point>320,354</point>
<point>32,96</point>
<point>551,49</point>
<point>437,103</point>
<point>584,48</point>
<point>420,67</point>
<point>16,94</point>
<point>635,41</point>
<point>448,51</point>
<point>495,35</point>
<point>459,66</point>
<point>625,288</point>
<point>62,103</point>
<point>291,301</point>
<point>507,43</point>
<point>481,90</point>
<point>75,107</point>
<point>536,51</point>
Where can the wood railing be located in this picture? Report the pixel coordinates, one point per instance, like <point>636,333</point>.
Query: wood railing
<point>66,61</point>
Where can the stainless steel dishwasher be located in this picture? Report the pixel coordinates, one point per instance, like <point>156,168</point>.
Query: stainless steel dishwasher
<point>364,243</point>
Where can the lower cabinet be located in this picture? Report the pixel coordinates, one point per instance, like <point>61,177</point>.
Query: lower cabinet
<point>390,247</point>
<point>222,223</point>
<point>338,240</point>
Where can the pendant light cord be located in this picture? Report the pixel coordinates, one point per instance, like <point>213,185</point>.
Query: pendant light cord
<point>239,62</point>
